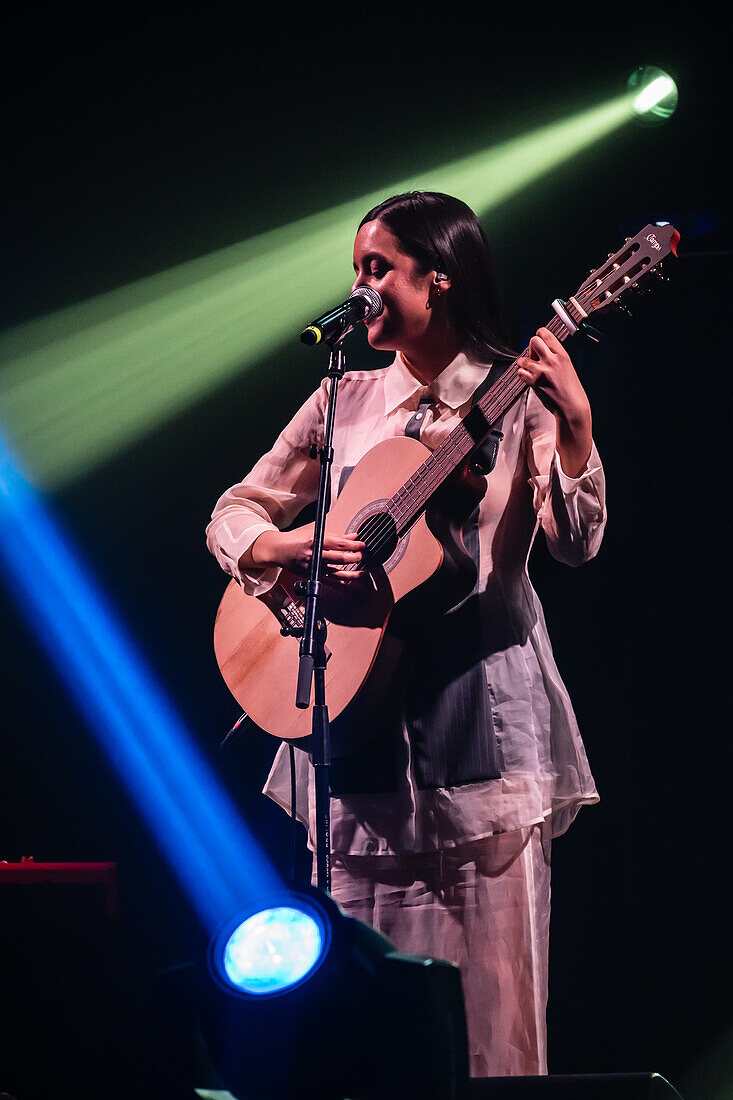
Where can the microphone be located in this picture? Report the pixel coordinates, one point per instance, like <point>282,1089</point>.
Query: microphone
<point>363,304</point>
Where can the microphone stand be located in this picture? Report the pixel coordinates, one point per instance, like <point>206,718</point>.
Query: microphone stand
<point>312,662</point>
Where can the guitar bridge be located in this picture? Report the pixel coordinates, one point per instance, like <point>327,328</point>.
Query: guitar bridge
<point>287,612</point>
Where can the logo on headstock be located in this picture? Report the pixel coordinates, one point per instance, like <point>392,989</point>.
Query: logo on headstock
<point>653,241</point>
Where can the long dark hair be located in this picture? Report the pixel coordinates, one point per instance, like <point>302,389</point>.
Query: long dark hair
<point>442,233</point>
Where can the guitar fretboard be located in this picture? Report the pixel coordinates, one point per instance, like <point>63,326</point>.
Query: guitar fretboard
<point>412,497</point>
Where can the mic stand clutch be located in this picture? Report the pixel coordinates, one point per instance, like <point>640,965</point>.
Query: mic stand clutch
<point>312,663</point>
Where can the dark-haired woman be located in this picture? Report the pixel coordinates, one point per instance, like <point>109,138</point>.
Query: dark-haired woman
<point>442,821</point>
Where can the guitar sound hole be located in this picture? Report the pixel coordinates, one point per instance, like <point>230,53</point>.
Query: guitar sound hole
<point>379,532</point>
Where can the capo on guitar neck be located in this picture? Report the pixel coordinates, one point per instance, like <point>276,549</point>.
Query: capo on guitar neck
<point>575,326</point>
<point>559,306</point>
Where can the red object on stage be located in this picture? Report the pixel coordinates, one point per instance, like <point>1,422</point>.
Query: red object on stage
<point>28,871</point>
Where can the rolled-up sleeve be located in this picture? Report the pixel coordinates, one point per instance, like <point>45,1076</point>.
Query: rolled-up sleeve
<point>570,510</point>
<point>269,498</point>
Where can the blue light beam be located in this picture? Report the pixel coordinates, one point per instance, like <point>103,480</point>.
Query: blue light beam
<point>191,816</point>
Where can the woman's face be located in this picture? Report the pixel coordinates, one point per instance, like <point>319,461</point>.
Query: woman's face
<point>380,263</point>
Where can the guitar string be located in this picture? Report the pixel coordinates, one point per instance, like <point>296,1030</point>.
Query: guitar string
<point>505,387</point>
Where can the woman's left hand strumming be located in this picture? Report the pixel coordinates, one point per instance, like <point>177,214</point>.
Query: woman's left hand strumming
<point>549,370</point>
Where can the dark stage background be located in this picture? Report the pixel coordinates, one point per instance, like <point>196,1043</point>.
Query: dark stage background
<point>131,146</point>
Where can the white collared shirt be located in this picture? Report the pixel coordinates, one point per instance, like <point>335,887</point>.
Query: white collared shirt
<point>545,774</point>
<point>453,387</point>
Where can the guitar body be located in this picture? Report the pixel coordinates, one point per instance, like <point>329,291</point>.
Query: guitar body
<point>260,665</point>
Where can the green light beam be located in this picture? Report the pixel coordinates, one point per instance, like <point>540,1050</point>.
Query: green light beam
<point>80,385</point>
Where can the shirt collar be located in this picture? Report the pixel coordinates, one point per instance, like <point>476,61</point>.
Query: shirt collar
<point>453,387</point>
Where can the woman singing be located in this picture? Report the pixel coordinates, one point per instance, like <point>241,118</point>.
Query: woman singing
<point>442,820</point>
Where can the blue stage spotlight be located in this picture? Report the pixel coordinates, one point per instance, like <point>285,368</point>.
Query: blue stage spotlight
<point>272,950</point>
<point>307,1003</point>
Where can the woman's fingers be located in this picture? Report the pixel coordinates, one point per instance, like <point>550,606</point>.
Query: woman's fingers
<point>295,550</point>
<point>342,551</point>
<point>549,370</point>
<point>335,558</point>
<point>341,559</point>
<point>544,348</point>
<point>549,341</point>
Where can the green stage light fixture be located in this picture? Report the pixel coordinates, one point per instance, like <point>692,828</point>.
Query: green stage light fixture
<point>80,385</point>
<point>653,94</point>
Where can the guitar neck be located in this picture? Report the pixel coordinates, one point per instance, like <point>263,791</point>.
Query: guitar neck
<point>622,270</point>
<point>412,497</point>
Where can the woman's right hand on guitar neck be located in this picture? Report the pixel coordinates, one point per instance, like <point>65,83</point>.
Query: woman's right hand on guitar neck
<point>293,550</point>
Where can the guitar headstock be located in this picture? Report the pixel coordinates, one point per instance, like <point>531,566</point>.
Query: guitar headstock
<point>623,270</point>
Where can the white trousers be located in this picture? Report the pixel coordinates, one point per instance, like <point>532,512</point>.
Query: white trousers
<point>485,907</point>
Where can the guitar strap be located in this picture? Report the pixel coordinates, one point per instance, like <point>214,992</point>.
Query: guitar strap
<point>416,421</point>
<point>486,454</point>
<point>447,705</point>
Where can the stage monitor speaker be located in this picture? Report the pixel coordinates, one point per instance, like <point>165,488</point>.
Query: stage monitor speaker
<point>590,1086</point>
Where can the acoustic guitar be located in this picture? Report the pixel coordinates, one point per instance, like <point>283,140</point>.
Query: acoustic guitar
<point>407,504</point>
